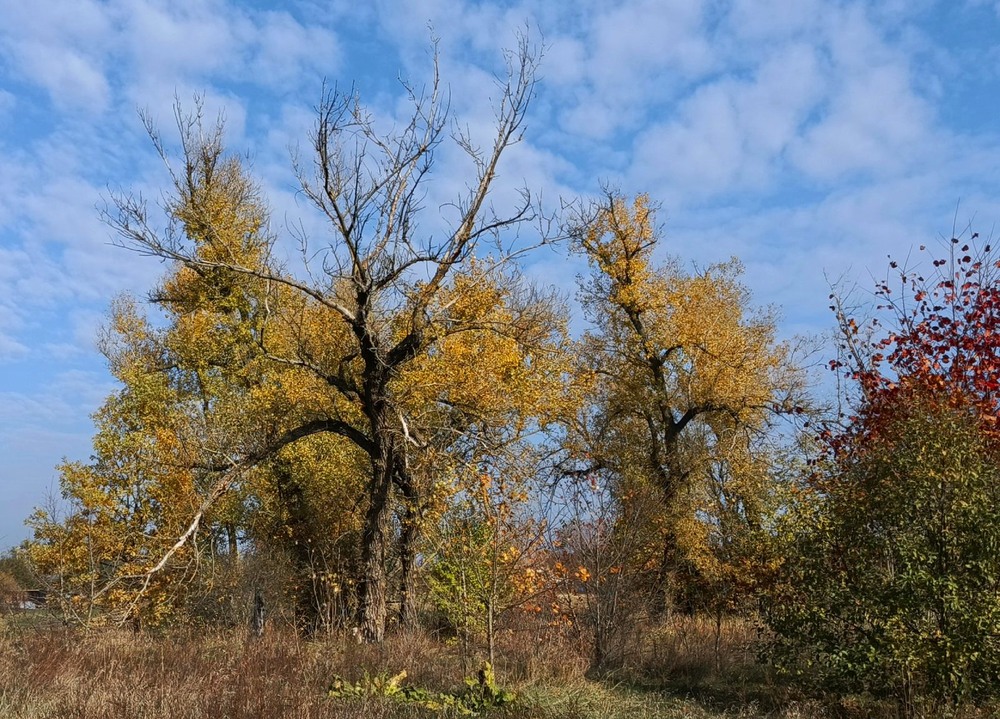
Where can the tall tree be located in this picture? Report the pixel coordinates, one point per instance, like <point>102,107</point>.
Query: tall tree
<point>376,296</point>
<point>125,504</point>
<point>187,384</point>
<point>686,373</point>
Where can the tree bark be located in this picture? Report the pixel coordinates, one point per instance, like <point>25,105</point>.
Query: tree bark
<point>668,564</point>
<point>375,539</point>
<point>407,596</point>
<point>410,529</point>
<point>664,463</point>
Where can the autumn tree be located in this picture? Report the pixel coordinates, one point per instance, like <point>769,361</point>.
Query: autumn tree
<point>16,562</point>
<point>686,375</point>
<point>11,593</point>
<point>375,297</point>
<point>186,384</point>
<point>135,492</point>
<point>488,553</point>
<point>892,572</point>
<point>197,390</point>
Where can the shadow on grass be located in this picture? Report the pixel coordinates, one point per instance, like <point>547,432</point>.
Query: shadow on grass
<point>755,691</point>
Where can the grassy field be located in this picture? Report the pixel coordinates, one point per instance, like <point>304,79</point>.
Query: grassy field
<point>674,672</point>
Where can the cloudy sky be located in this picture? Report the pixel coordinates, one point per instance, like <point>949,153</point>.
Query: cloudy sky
<point>804,136</point>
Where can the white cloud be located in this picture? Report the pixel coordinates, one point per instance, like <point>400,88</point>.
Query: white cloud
<point>59,45</point>
<point>822,93</point>
<point>285,52</point>
<point>473,31</point>
<point>637,55</point>
<point>177,40</point>
<point>11,349</point>
<point>700,153</point>
<point>72,79</point>
<point>875,124</point>
<point>74,22</point>
<point>731,134</point>
<point>61,403</point>
<point>641,38</point>
<point>764,21</point>
<point>77,50</point>
<point>565,59</point>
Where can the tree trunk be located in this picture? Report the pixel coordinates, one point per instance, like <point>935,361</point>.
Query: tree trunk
<point>664,463</point>
<point>407,551</point>
<point>668,565</point>
<point>490,632</point>
<point>374,540</point>
<point>257,615</point>
<point>407,603</point>
<point>231,537</point>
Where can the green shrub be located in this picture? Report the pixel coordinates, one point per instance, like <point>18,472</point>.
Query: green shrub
<point>481,693</point>
<point>891,582</point>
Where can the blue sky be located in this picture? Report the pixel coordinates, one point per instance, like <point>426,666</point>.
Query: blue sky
<point>804,136</point>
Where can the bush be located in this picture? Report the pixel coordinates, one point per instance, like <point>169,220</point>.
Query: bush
<point>890,585</point>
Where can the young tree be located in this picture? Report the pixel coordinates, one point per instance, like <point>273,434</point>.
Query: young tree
<point>892,578</point>
<point>488,552</point>
<point>891,584</point>
<point>600,547</point>
<point>377,296</point>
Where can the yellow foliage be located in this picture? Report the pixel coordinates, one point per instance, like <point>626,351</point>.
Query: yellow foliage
<point>682,373</point>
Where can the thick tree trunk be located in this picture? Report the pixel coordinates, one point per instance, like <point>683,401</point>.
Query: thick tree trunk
<point>375,540</point>
<point>671,476</point>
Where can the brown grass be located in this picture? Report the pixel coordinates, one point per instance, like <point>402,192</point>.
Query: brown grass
<point>117,674</point>
<point>673,672</point>
<point>114,674</point>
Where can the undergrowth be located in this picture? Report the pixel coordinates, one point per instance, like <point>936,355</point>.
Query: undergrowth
<point>481,693</point>
<point>672,672</point>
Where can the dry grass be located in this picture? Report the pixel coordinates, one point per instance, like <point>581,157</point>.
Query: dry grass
<point>673,672</point>
<point>182,676</point>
